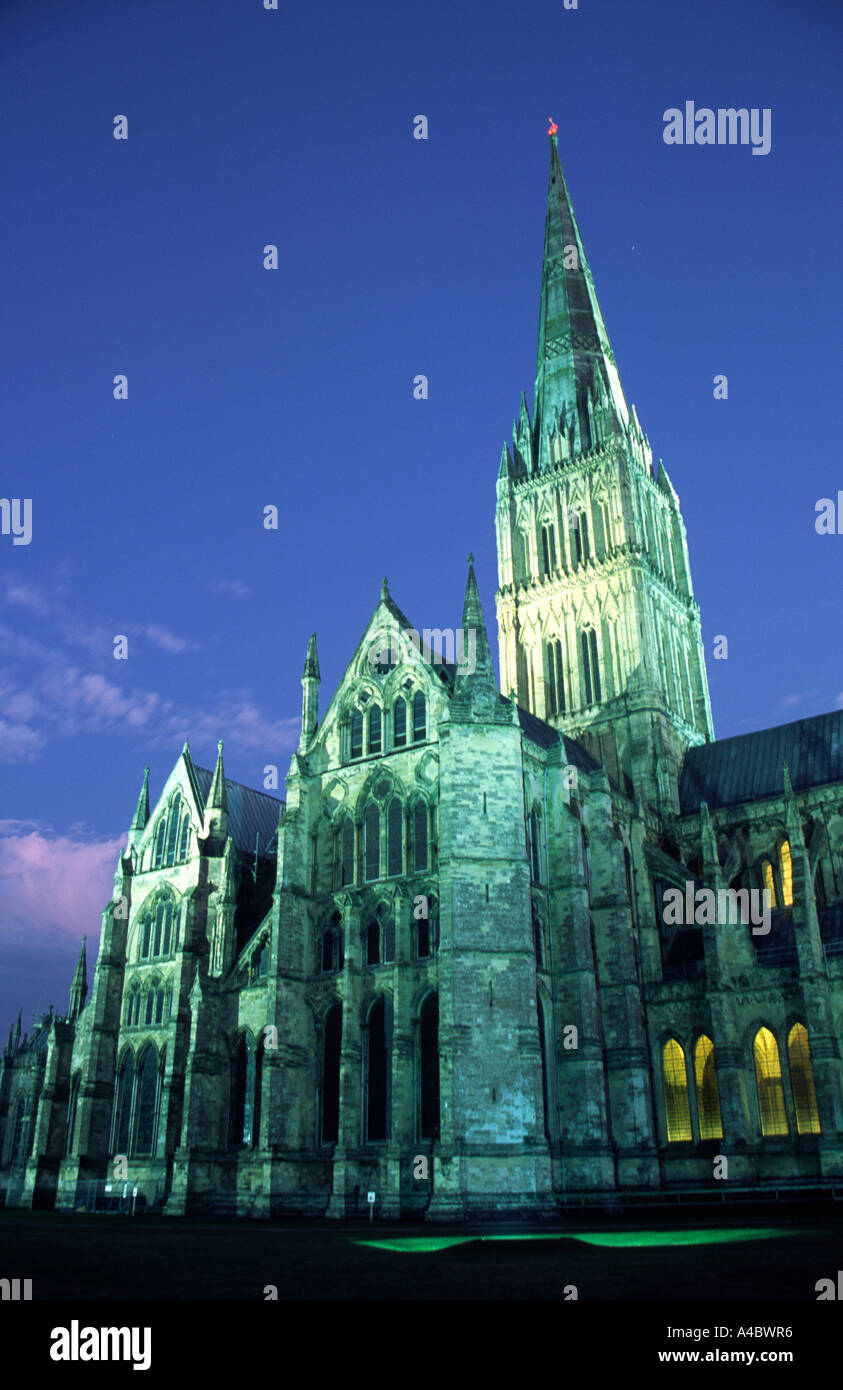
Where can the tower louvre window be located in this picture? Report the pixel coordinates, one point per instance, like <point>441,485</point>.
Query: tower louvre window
<point>399,723</point>
<point>548,549</point>
<point>607,526</point>
<point>590,666</point>
<point>581,541</point>
<point>554,678</point>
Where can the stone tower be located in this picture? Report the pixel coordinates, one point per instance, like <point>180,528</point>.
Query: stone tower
<point>598,627</point>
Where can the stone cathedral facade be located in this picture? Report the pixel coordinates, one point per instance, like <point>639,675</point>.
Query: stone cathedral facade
<point>450,969</point>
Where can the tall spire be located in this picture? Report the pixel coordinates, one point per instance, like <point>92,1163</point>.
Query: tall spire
<point>576,376</point>
<point>79,987</point>
<point>141,816</point>
<point>475,682</point>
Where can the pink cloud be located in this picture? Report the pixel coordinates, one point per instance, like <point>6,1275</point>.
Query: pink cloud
<point>52,885</point>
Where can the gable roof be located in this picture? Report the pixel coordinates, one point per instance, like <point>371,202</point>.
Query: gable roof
<point>544,736</point>
<point>252,815</point>
<point>749,766</point>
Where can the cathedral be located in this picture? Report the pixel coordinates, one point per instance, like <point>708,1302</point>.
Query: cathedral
<point>499,951</point>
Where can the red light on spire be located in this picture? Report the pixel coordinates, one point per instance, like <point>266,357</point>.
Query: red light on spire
<point>553,127</point>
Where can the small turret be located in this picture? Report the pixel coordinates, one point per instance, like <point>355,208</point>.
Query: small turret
<point>79,987</point>
<point>310,690</point>
<point>141,816</point>
<point>216,807</point>
<point>475,684</point>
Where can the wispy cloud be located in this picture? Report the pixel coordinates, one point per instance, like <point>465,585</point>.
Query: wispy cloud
<point>234,588</point>
<point>52,885</point>
<point>166,640</point>
<point>798,698</point>
<point>51,690</point>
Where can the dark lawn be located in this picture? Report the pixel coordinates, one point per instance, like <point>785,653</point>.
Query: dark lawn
<point>113,1257</point>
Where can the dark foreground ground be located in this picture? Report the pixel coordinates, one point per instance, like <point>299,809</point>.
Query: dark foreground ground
<point>761,1253</point>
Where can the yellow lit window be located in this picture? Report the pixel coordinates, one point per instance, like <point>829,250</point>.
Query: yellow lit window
<point>676,1105</point>
<point>768,1075</point>
<point>769,881</point>
<point>708,1096</point>
<point>802,1080</point>
<point>787,874</point>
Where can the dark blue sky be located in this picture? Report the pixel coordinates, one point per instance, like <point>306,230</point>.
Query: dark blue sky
<point>397,257</point>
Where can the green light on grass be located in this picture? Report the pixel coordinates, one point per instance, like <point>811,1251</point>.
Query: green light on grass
<point>625,1239</point>
<point>430,1245</point>
<point>415,1245</point>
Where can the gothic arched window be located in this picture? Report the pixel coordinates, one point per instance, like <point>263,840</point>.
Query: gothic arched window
<point>802,1081</point>
<point>123,1103</point>
<point>147,1103</point>
<point>535,848</point>
<point>582,547</point>
<point>419,717</point>
<point>373,943</point>
<point>330,1096</point>
<point>133,1005</point>
<point>399,723</point>
<point>543,1053</point>
<point>429,1067</point>
<point>708,1095</point>
<point>590,666</point>
<point>548,548</point>
<point>768,880</point>
<point>537,941</point>
<point>375,730</point>
<point>159,842</point>
<point>768,1076</point>
<point>376,1072</point>
<point>394,838</point>
<point>627,864</point>
<point>586,862</point>
<point>72,1104</point>
<point>145,938</point>
<point>554,677</point>
<point>676,1106</point>
<point>420,816</point>
<point>346,852</point>
<point>243,1092</point>
<point>356,735</point>
<point>372,838</point>
<point>786,870</point>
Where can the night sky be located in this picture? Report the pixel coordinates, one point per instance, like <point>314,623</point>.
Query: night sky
<point>249,387</point>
